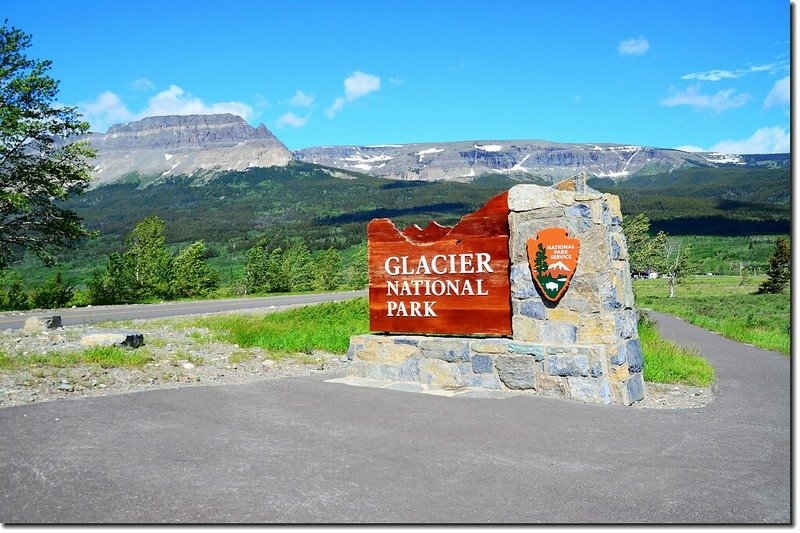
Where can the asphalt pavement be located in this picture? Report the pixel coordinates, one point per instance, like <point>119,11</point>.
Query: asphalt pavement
<point>100,313</point>
<point>303,450</point>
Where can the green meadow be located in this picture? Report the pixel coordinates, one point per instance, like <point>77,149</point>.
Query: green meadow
<point>725,305</point>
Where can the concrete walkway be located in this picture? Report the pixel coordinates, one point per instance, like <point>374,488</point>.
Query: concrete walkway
<point>302,450</point>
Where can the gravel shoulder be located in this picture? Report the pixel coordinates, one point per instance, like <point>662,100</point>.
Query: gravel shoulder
<point>185,355</point>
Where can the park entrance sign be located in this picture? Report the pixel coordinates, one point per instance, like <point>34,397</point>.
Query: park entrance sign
<point>530,293</point>
<point>440,279</point>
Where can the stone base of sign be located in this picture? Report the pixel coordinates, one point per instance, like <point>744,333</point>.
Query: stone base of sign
<point>586,373</point>
<point>584,346</point>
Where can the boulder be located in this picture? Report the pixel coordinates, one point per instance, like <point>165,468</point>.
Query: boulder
<point>127,339</point>
<point>41,323</point>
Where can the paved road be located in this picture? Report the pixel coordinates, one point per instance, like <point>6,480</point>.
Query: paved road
<point>89,315</point>
<point>301,450</point>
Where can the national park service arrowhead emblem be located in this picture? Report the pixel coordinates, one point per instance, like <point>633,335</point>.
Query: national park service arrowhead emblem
<point>553,257</point>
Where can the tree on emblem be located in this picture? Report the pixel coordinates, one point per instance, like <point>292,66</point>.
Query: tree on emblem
<point>541,260</point>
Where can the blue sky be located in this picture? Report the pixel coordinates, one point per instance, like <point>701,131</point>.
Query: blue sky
<point>703,74</point>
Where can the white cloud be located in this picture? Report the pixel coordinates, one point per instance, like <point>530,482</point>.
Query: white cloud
<point>717,103</point>
<point>176,101</point>
<point>292,120</point>
<point>634,47</point>
<point>301,99</point>
<point>690,148</point>
<point>397,81</point>
<point>773,140</point>
<point>360,84</point>
<point>357,85</point>
<point>711,75</point>
<point>335,107</point>
<point>142,84</point>
<point>107,109</point>
<point>261,101</point>
<point>717,75</point>
<point>779,95</point>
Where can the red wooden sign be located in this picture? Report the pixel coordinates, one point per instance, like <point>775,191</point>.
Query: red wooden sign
<point>553,257</point>
<point>440,279</point>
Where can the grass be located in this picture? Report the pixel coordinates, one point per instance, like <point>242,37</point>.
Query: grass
<point>723,305</point>
<point>326,327</point>
<point>329,326</point>
<point>667,362</point>
<point>103,356</point>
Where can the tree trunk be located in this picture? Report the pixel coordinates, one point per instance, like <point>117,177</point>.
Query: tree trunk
<point>671,280</point>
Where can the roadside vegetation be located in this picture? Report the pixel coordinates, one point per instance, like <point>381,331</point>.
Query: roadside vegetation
<point>298,333</point>
<point>102,356</point>
<point>326,327</point>
<point>329,327</point>
<point>727,305</point>
<point>668,362</point>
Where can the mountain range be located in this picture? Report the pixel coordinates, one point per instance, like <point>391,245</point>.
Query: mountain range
<point>184,145</point>
<point>204,145</point>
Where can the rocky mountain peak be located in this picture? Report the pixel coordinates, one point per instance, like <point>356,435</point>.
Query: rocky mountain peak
<point>185,145</point>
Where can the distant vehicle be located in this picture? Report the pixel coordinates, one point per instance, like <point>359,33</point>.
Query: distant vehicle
<point>644,274</point>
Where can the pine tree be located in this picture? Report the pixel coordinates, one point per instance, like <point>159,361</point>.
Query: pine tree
<point>255,271</point>
<point>297,268</point>
<point>645,252</point>
<point>113,284</point>
<point>328,270</point>
<point>780,269</point>
<point>540,262</point>
<point>357,274</point>
<point>41,163</point>
<point>13,296</point>
<point>193,276</point>
<point>52,294</point>
<point>276,279</point>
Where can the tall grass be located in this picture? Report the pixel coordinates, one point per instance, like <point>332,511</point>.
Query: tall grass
<point>103,356</point>
<point>723,305</point>
<point>667,362</point>
<point>326,327</point>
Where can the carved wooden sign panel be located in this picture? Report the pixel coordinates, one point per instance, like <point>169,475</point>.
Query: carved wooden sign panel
<point>440,279</point>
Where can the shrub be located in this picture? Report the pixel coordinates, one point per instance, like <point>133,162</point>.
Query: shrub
<point>52,293</point>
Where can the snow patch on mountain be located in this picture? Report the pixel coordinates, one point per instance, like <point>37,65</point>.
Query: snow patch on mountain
<point>489,147</point>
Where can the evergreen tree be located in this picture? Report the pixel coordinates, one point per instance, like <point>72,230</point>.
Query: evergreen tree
<point>113,284</point>
<point>193,276</point>
<point>644,252</point>
<point>297,268</point>
<point>540,261</point>
<point>53,293</point>
<point>255,271</point>
<point>41,165</point>
<point>276,279</point>
<point>149,260</point>
<point>357,274</point>
<point>780,269</point>
<point>328,270</point>
<point>13,296</point>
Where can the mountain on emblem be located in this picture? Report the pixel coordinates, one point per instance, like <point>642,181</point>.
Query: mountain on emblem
<point>553,256</point>
<point>559,266</point>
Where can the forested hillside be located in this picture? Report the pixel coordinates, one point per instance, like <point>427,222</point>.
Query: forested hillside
<point>330,208</point>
